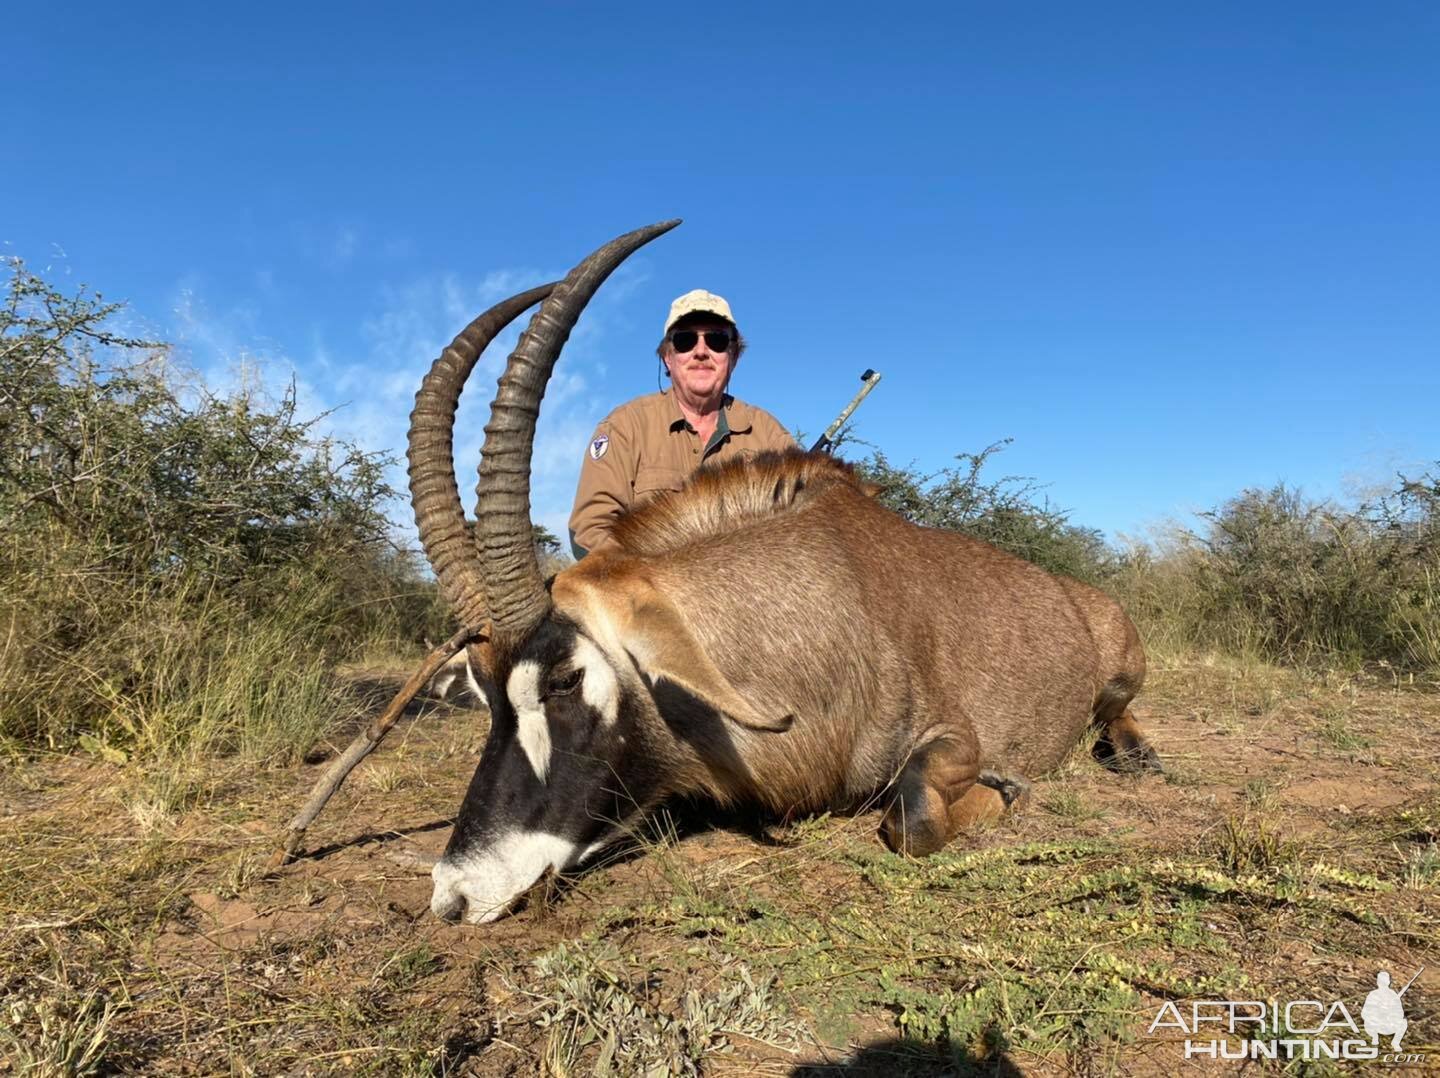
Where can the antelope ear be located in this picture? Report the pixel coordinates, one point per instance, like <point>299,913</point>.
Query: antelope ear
<point>481,655</point>
<point>662,645</point>
<point>481,648</point>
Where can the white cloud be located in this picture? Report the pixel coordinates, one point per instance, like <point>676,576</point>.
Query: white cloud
<point>344,246</point>
<point>368,383</point>
<point>225,347</point>
<point>334,246</point>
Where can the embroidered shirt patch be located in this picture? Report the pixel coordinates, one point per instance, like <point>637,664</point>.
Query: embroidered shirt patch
<point>598,446</point>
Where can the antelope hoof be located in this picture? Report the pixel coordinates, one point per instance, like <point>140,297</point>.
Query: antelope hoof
<point>1011,790</point>
<point>1138,759</point>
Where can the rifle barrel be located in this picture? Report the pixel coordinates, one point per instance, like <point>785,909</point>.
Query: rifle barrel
<point>1410,982</point>
<point>871,378</point>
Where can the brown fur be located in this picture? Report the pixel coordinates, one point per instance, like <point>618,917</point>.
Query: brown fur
<point>905,656</point>
<point>721,499</point>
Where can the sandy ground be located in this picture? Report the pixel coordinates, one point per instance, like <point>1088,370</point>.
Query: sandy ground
<point>151,899</point>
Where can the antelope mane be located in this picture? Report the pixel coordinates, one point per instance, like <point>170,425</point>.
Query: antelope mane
<point>723,498</point>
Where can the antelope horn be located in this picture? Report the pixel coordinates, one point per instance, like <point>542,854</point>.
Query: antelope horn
<point>439,515</point>
<point>513,587</point>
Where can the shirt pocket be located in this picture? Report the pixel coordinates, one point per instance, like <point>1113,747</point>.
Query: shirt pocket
<point>651,481</point>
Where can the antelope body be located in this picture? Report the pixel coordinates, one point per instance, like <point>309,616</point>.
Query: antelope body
<point>769,633</point>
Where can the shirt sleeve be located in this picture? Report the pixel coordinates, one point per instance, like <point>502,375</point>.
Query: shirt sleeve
<point>769,434</point>
<point>606,487</point>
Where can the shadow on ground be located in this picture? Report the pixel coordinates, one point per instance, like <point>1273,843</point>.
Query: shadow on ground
<point>911,1059</point>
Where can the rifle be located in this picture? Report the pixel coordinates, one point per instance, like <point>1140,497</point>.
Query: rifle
<point>825,443</point>
<point>1409,982</point>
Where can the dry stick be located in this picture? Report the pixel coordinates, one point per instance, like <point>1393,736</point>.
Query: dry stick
<point>362,746</point>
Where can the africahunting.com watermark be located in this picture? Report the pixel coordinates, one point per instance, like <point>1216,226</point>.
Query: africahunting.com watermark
<point>1294,1029</point>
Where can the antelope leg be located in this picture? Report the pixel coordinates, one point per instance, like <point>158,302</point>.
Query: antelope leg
<point>936,794</point>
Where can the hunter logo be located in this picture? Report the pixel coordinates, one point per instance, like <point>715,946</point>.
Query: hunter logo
<point>1298,1029</point>
<point>1383,1013</point>
<point>598,446</point>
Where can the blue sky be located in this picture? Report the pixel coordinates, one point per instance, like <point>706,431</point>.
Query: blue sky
<point>1172,251</point>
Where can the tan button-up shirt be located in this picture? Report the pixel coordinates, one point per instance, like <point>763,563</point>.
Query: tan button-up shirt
<point>645,447</point>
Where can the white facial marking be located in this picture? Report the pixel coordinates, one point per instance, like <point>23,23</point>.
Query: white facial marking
<point>596,847</point>
<point>600,690</point>
<point>472,681</point>
<point>440,684</point>
<point>455,668</point>
<point>611,836</point>
<point>533,727</point>
<point>594,618</point>
<point>490,880</point>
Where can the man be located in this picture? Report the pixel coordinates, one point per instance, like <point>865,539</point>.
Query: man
<point>655,442</point>
<point>1383,1013</point>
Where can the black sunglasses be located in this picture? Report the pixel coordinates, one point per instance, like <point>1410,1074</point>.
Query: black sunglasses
<point>685,340</point>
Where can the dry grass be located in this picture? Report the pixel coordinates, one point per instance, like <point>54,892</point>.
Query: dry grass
<point>139,932</point>
<point>1278,577</point>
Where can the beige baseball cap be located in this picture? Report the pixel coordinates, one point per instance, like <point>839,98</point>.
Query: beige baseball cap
<point>698,301</point>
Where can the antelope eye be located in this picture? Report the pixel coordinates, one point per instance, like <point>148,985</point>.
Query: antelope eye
<point>564,684</point>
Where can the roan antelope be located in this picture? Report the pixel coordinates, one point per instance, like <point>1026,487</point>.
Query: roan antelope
<point>770,634</point>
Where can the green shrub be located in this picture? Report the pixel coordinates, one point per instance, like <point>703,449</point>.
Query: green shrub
<point>180,570</point>
<point>1271,575</point>
<point>1280,577</point>
<point>1006,512</point>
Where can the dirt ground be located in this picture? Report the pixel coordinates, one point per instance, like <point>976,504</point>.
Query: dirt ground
<point>1288,853</point>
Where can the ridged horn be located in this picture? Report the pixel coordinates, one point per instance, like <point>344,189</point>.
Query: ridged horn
<point>434,495</point>
<point>513,587</point>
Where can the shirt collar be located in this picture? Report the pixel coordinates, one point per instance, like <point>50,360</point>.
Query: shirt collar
<point>737,415</point>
